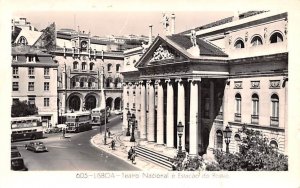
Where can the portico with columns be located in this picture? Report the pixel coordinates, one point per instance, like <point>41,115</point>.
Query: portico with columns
<point>176,82</point>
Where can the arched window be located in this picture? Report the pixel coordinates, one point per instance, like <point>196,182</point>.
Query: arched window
<point>239,44</point>
<point>219,135</point>
<point>274,144</point>
<point>255,109</point>
<point>109,67</point>
<point>109,83</point>
<point>91,66</point>
<point>238,107</point>
<point>256,41</point>
<point>75,65</point>
<point>118,83</point>
<point>22,40</point>
<point>255,104</point>
<point>276,37</point>
<point>118,68</point>
<point>275,110</point>
<point>82,82</point>
<point>83,66</point>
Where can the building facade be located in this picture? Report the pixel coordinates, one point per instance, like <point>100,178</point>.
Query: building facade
<point>33,72</point>
<point>233,72</point>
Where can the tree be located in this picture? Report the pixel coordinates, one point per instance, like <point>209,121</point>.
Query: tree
<point>21,108</point>
<point>256,154</point>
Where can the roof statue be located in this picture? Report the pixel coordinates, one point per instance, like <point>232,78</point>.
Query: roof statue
<point>165,22</point>
<point>193,38</point>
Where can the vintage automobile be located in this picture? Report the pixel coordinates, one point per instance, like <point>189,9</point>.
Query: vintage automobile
<point>36,146</point>
<point>17,162</point>
<point>118,112</point>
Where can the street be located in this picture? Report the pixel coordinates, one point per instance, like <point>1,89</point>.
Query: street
<point>74,152</point>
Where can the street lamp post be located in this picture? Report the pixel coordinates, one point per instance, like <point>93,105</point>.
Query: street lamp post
<point>105,125</point>
<point>128,120</point>
<point>132,119</point>
<point>180,154</point>
<point>227,135</point>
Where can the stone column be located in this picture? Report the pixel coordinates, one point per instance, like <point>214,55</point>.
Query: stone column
<point>212,101</point>
<point>137,102</point>
<point>125,101</point>
<point>160,112</point>
<point>194,129</point>
<point>143,122</point>
<point>151,112</point>
<point>170,113</point>
<point>181,110</point>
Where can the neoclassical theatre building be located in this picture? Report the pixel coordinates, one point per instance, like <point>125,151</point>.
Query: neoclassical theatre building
<point>230,72</point>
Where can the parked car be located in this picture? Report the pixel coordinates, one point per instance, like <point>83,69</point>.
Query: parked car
<point>118,112</point>
<point>36,146</point>
<point>17,162</point>
<point>53,130</point>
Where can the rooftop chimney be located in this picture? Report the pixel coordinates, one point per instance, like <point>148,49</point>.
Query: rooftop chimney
<point>150,34</point>
<point>173,24</point>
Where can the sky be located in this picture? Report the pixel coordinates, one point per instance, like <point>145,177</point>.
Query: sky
<point>103,23</point>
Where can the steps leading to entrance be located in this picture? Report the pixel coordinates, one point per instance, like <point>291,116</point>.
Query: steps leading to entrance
<point>153,156</point>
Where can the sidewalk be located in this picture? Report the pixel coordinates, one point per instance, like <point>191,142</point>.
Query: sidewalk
<point>121,151</point>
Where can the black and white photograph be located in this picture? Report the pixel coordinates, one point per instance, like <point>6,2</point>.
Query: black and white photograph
<point>167,94</point>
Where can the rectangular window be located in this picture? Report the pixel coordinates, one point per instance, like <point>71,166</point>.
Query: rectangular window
<point>31,101</point>
<point>46,71</point>
<point>46,102</point>
<point>15,70</point>
<point>30,70</point>
<point>15,58</point>
<point>30,58</point>
<point>30,86</point>
<point>275,109</point>
<point>15,100</point>
<point>46,86</point>
<point>15,86</point>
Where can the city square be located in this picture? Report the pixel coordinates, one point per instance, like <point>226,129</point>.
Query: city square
<point>172,100</point>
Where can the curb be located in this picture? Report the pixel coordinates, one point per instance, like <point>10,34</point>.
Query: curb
<point>107,150</point>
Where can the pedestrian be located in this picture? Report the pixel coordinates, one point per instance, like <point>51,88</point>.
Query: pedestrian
<point>113,144</point>
<point>130,152</point>
<point>132,158</point>
<point>64,132</point>
<point>108,134</point>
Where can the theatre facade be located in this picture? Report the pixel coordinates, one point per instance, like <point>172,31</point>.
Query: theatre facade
<point>229,73</point>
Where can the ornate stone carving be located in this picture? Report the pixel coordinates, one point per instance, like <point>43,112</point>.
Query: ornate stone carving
<point>193,38</point>
<point>265,33</point>
<point>161,54</point>
<point>238,85</point>
<point>229,40</point>
<point>255,84</point>
<point>246,36</point>
<point>274,84</point>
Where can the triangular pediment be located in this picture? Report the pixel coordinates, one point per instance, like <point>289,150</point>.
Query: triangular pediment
<point>162,52</point>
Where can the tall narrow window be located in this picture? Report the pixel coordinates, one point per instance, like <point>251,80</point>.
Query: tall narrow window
<point>275,110</point>
<point>255,109</point>
<point>118,68</point>
<point>30,86</point>
<point>46,86</point>
<point>83,66</point>
<point>91,66</point>
<point>31,70</point>
<point>238,107</point>
<point>15,86</point>
<point>109,67</point>
<point>31,101</point>
<point>46,71</point>
<point>15,70</point>
<point>75,65</point>
<point>46,102</point>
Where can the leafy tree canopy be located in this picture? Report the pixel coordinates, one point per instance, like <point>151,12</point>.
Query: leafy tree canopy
<point>21,108</point>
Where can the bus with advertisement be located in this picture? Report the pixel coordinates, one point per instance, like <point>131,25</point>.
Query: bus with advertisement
<point>78,121</point>
<point>23,128</point>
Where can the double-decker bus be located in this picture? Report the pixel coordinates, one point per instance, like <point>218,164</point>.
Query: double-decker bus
<point>29,127</point>
<point>78,121</point>
<point>98,116</point>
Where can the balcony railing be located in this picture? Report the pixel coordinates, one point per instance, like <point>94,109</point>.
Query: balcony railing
<point>274,121</point>
<point>237,117</point>
<point>254,119</point>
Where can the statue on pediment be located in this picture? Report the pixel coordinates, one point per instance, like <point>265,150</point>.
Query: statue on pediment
<point>193,38</point>
<point>161,54</point>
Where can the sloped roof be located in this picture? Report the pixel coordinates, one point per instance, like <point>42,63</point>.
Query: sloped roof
<point>206,49</point>
<point>15,34</point>
<point>23,50</point>
<point>31,36</point>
